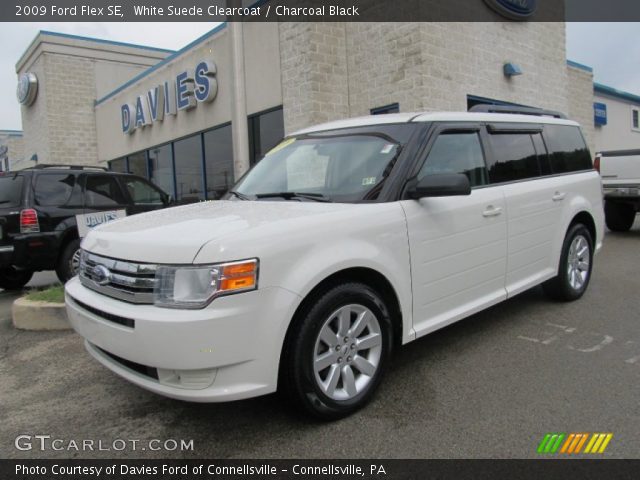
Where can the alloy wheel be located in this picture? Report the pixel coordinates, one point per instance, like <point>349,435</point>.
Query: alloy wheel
<point>347,352</point>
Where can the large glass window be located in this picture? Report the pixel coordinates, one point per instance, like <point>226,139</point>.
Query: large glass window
<point>457,153</point>
<point>568,152</point>
<point>218,152</point>
<point>118,165</point>
<point>142,193</point>
<point>161,167</point>
<point>138,164</point>
<point>188,155</point>
<point>265,131</point>
<point>514,157</point>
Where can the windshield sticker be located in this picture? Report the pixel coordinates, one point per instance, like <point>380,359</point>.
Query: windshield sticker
<point>369,181</point>
<point>281,145</point>
<point>387,148</point>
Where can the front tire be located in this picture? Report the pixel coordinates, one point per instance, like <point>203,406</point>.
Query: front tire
<point>12,279</point>
<point>619,217</point>
<point>574,270</point>
<point>337,351</point>
<point>69,261</point>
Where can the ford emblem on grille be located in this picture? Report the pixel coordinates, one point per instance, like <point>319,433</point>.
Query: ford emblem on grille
<point>101,275</point>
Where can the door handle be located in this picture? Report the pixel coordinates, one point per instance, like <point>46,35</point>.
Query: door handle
<point>492,211</point>
<point>558,196</point>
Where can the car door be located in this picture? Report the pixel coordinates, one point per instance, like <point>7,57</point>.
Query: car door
<point>458,244</point>
<point>518,162</point>
<point>143,196</point>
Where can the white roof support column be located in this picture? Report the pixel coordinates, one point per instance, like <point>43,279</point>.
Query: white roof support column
<point>239,124</point>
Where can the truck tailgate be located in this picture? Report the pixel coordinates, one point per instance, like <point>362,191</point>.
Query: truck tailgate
<point>621,168</point>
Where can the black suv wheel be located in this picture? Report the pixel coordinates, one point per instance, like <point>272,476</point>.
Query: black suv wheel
<point>69,261</point>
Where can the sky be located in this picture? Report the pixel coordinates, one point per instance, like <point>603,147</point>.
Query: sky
<point>612,49</point>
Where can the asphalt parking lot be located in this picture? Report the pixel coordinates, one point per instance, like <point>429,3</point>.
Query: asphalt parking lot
<point>490,386</point>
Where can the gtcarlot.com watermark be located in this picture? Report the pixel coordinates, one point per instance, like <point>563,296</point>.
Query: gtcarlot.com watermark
<point>42,443</point>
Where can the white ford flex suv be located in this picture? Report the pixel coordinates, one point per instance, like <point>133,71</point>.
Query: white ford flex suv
<point>346,240</point>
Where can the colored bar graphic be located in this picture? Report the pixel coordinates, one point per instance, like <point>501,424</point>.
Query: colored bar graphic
<point>565,447</point>
<point>551,442</point>
<point>598,443</point>
<point>573,443</point>
<point>583,439</point>
<point>543,443</point>
<point>605,443</point>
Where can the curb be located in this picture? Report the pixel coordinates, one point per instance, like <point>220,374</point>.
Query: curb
<point>31,315</point>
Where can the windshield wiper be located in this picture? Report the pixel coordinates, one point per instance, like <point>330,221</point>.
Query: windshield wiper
<point>316,197</point>
<point>241,196</point>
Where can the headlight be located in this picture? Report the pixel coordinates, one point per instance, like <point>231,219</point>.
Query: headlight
<point>196,286</point>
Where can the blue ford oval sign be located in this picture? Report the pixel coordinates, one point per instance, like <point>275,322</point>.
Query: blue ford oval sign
<point>514,9</point>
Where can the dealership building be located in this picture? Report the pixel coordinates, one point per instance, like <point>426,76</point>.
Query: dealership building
<point>196,119</point>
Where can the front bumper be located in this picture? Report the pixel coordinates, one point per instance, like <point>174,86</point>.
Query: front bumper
<point>227,351</point>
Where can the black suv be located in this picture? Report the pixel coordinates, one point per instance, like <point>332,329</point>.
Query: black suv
<point>38,208</point>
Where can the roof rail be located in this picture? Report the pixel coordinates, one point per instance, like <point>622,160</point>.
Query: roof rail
<point>42,166</point>
<point>514,109</point>
<point>619,153</point>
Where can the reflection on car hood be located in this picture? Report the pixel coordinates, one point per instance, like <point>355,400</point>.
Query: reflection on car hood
<point>175,235</point>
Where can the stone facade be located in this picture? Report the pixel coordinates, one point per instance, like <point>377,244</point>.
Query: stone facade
<point>334,70</point>
<point>315,80</point>
<point>580,94</point>
<point>15,148</point>
<point>60,126</point>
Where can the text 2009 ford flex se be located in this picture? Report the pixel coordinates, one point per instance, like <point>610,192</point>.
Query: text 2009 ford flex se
<point>346,240</point>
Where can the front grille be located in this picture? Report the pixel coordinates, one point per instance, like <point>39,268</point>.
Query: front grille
<point>128,281</point>
<point>145,370</point>
<point>126,322</point>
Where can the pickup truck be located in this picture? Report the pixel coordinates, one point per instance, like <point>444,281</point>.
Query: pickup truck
<point>620,172</point>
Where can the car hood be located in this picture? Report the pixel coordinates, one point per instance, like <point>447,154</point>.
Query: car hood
<point>176,235</point>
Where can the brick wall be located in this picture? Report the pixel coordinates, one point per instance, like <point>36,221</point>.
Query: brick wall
<point>314,73</point>
<point>580,91</point>
<point>70,108</point>
<point>35,119</point>
<point>331,71</point>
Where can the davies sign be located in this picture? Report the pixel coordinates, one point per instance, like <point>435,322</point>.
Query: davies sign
<point>187,90</point>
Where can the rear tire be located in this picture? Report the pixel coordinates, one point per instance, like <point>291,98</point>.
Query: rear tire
<point>68,262</point>
<point>336,353</point>
<point>619,217</point>
<point>574,270</point>
<point>12,279</point>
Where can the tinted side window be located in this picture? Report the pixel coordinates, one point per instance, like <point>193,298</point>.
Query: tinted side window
<point>54,189</point>
<point>567,150</point>
<point>10,191</point>
<point>142,193</point>
<point>457,153</point>
<point>103,191</point>
<point>514,157</point>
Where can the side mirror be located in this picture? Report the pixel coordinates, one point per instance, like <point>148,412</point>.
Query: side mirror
<point>440,185</point>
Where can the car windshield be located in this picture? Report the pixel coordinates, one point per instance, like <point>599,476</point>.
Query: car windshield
<point>10,190</point>
<point>339,168</point>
